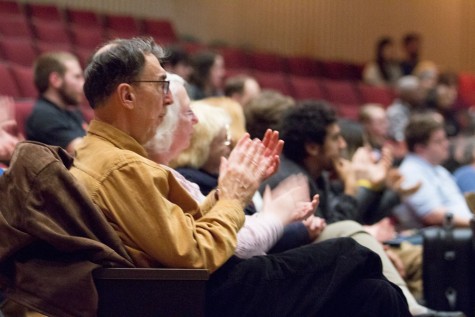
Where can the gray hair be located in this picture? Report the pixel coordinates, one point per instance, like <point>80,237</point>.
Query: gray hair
<point>468,151</point>
<point>163,138</point>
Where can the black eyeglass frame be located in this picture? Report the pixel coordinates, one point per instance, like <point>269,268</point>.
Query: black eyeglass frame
<point>165,84</point>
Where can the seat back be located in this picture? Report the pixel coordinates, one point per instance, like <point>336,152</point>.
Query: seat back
<point>18,50</point>
<point>162,31</point>
<point>341,91</point>
<point>306,88</point>
<point>15,26</point>
<point>9,86</point>
<point>47,12</point>
<point>24,79</point>
<point>275,81</point>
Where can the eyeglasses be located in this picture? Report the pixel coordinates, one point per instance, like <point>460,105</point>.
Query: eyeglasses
<point>165,84</point>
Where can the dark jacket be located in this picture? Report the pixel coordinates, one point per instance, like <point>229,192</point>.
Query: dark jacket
<point>51,235</point>
<point>333,207</point>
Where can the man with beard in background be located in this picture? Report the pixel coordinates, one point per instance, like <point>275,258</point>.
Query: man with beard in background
<point>56,118</point>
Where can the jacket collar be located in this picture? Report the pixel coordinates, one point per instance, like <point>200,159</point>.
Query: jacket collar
<point>117,137</point>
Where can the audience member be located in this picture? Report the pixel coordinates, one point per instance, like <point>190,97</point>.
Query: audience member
<point>168,228</point>
<point>237,125</point>
<point>56,118</point>
<point>411,46</point>
<point>261,230</point>
<point>428,149</point>
<point>199,163</point>
<point>465,175</point>
<point>375,124</point>
<point>410,99</point>
<point>313,144</point>
<point>207,77</point>
<point>442,98</point>
<point>175,131</point>
<point>406,257</point>
<point>265,112</point>
<point>385,69</point>
<point>177,61</point>
<point>428,73</point>
<point>241,88</point>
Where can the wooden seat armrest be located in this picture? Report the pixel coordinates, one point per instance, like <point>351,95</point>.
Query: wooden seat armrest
<point>142,292</point>
<point>150,274</point>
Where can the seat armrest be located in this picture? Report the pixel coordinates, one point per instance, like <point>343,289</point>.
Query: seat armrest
<point>150,274</point>
<point>151,292</point>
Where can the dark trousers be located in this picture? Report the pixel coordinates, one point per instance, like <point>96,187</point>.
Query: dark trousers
<point>336,277</point>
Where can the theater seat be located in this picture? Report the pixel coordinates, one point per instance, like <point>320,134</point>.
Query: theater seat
<point>15,26</point>
<point>10,8</point>
<point>275,81</point>
<point>120,26</point>
<point>151,292</point>
<point>24,79</point>
<point>84,18</point>
<point>304,66</point>
<point>161,30</point>
<point>341,91</point>
<point>267,62</point>
<point>9,86</point>
<point>374,94</point>
<point>234,57</point>
<point>46,12</point>
<point>306,88</point>
<point>18,50</point>
<point>51,31</point>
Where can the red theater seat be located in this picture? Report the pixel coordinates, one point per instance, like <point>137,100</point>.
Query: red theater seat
<point>18,50</point>
<point>83,18</point>
<point>374,94</point>
<point>304,66</point>
<point>9,86</point>
<point>86,38</point>
<point>341,92</point>
<point>161,30</point>
<point>306,88</point>
<point>10,8</point>
<point>267,62</point>
<point>51,32</point>
<point>24,79</point>
<point>234,57</point>
<point>15,26</point>
<point>43,12</point>
<point>120,26</point>
<point>275,81</point>
<point>467,89</point>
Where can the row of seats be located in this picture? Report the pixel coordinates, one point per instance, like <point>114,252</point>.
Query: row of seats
<point>80,31</point>
<point>47,19</point>
<point>346,95</point>
<point>30,29</point>
<point>27,30</point>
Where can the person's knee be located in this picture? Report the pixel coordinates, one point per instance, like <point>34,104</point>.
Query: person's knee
<point>346,228</point>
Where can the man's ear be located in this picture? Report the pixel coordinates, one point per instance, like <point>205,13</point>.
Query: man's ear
<point>126,94</point>
<point>55,80</point>
<point>312,149</point>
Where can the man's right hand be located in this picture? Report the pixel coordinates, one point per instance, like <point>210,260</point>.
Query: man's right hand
<point>249,163</point>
